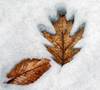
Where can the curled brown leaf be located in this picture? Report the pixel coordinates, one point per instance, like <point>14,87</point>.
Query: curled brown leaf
<point>28,71</point>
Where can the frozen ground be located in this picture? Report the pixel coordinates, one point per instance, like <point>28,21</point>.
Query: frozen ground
<point>20,38</point>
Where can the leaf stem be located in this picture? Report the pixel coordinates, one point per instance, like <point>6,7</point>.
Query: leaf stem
<point>62,35</point>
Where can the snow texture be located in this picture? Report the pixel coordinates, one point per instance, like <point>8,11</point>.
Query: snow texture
<point>20,24</point>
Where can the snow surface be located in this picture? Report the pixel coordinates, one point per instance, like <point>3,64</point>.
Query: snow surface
<point>20,38</point>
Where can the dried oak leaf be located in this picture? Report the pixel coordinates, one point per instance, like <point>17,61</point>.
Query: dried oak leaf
<point>63,43</point>
<point>28,71</point>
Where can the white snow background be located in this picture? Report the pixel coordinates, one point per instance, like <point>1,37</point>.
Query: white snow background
<point>21,38</point>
